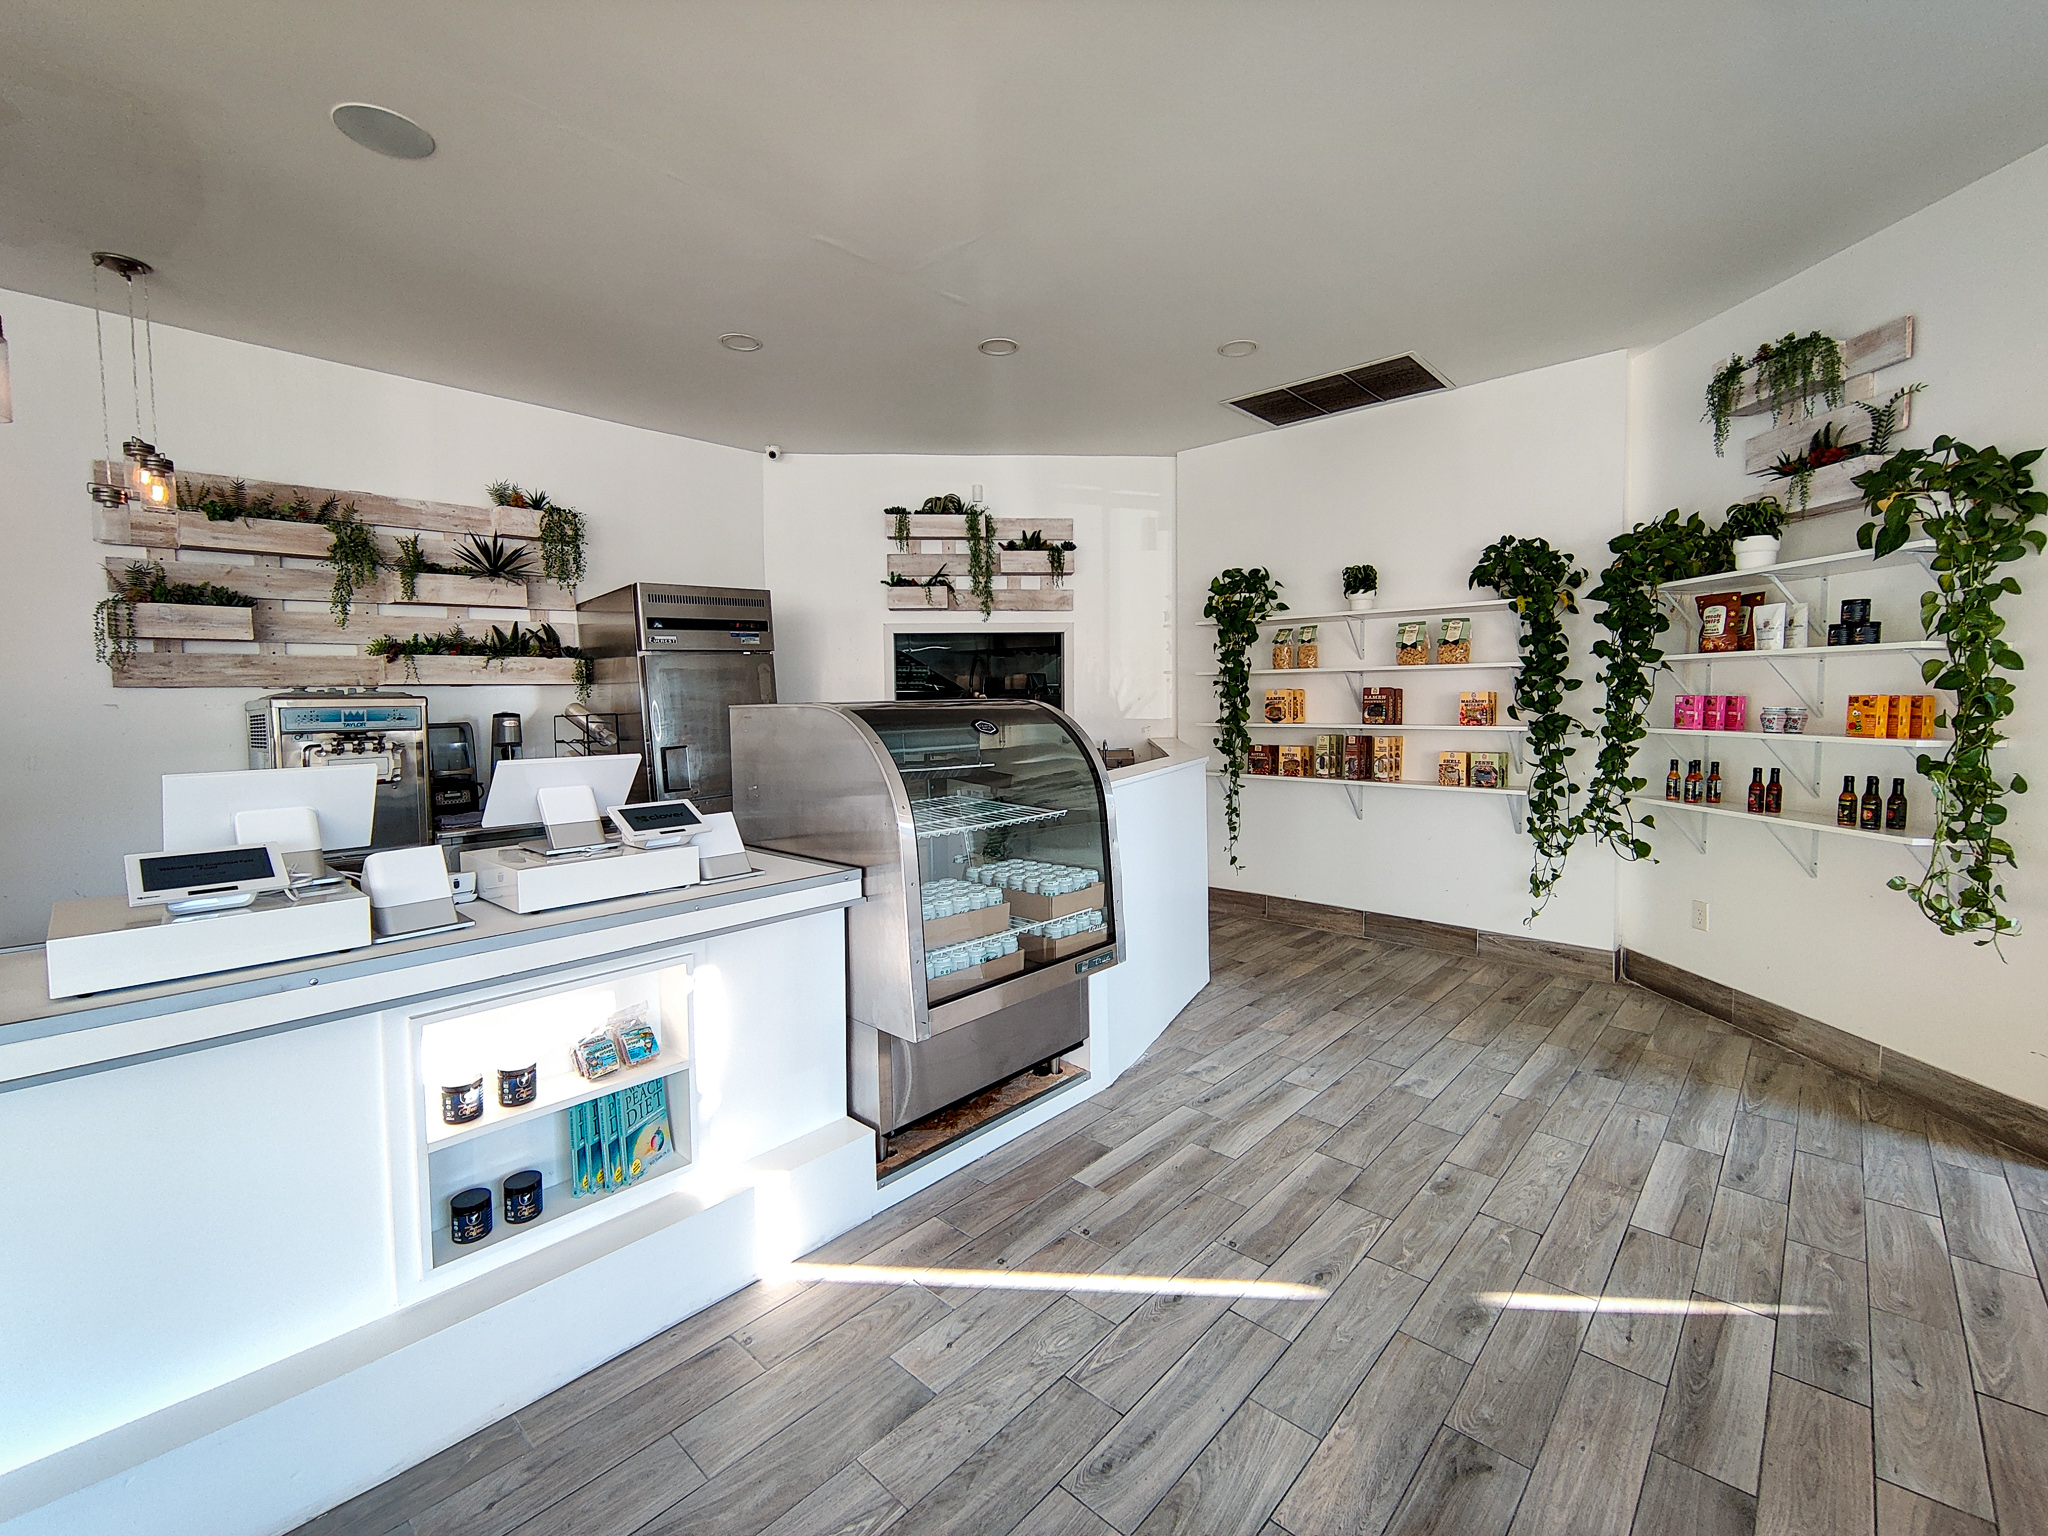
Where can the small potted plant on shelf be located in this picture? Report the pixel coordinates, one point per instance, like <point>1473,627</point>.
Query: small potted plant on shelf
<point>1756,527</point>
<point>1361,587</point>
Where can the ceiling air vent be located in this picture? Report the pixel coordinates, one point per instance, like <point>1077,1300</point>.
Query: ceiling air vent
<point>1369,384</point>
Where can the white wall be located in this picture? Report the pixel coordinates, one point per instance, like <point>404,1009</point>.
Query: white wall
<point>1842,948</point>
<point>1417,488</point>
<point>827,555</point>
<point>84,758</point>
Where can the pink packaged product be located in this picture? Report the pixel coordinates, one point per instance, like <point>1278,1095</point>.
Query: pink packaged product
<point>1710,712</point>
<point>1734,711</point>
<point>1686,712</point>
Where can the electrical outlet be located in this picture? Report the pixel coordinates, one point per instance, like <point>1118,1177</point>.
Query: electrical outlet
<point>1699,916</point>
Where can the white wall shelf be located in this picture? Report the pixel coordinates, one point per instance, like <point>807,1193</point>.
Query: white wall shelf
<point>1420,671</point>
<point>554,1094</point>
<point>1811,828</point>
<point>1360,728</point>
<point>1814,568</point>
<point>1427,610</point>
<point>1806,770</point>
<point>1517,800</point>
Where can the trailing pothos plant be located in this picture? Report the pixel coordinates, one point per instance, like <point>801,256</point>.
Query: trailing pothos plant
<point>1541,582</point>
<point>1789,373</point>
<point>1239,601</point>
<point>1670,548</point>
<point>353,557</point>
<point>1976,505</point>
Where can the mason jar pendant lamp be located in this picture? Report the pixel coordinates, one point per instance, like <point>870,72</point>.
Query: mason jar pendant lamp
<point>142,474</point>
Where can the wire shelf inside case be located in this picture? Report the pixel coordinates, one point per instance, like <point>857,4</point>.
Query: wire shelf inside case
<point>946,814</point>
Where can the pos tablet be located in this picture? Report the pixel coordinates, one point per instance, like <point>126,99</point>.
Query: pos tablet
<point>206,879</point>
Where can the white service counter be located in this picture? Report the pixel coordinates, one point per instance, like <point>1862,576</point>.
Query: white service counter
<point>227,1298</point>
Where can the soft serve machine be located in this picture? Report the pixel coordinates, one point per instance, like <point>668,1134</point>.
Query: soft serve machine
<point>320,730</point>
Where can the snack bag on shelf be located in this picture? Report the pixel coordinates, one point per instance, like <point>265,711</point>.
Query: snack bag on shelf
<point>1454,644</point>
<point>1411,643</point>
<point>1283,650</point>
<point>1720,621</point>
<point>1306,652</point>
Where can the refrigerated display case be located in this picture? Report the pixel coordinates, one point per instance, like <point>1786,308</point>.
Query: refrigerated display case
<point>988,845</point>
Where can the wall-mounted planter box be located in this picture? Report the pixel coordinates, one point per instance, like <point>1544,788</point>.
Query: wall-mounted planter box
<point>475,671</point>
<point>193,621</point>
<point>918,597</point>
<point>1032,562</point>
<point>1041,600</point>
<point>1882,347</point>
<point>255,536</point>
<point>933,527</point>
<point>243,673</point>
<point>313,586</point>
<point>1833,488</point>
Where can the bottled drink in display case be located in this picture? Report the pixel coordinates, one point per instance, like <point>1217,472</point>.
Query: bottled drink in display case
<point>1774,795</point>
<point>1756,792</point>
<point>1895,807</point>
<point>1845,803</point>
<point>1873,806</point>
<point>1671,781</point>
<point>1714,784</point>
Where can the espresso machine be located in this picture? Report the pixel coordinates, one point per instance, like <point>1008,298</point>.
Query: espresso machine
<point>671,662</point>
<point>316,729</point>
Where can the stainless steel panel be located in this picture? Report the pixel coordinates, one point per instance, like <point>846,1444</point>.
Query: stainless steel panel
<point>687,728</point>
<point>896,1081</point>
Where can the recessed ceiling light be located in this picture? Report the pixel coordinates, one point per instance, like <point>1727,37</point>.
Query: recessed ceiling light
<point>739,341</point>
<point>383,130</point>
<point>1238,348</point>
<point>998,346</point>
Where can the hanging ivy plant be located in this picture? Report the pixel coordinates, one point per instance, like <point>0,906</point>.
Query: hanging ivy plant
<point>1541,582</point>
<point>354,559</point>
<point>113,631</point>
<point>981,558</point>
<point>1671,548</point>
<point>1975,504</point>
<point>1790,372</point>
<point>899,526</point>
<point>1239,601</point>
<point>562,532</point>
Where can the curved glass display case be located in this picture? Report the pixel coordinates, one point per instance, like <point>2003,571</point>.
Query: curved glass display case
<point>986,834</point>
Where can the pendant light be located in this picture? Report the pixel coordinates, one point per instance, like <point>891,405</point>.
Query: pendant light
<point>142,475</point>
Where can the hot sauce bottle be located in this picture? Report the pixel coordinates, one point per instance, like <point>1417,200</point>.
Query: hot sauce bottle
<point>1714,784</point>
<point>1774,795</point>
<point>1671,781</point>
<point>1756,791</point>
<point>1895,808</point>
<point>1695,786</point>
<point>1845,805</point>
<point>1873,806</point>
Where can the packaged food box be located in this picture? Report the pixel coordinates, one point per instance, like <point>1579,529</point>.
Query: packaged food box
<point>1687,712</point>
<point>1411,643</point>
<point>1454,644</point>
<point>1869,714</point>
<point>1286,706</point>
<point>1489,770</point>
<point>1357,757</point>
<point>1283,650</point>
<point>1306,652</point>
<point>1380,706</point>
<point>1329,758</point>
<point>1295,762</point>
<point>1720,621</point>
<point>1734,711</point>
<point>1478,708</point>
<point>1262,758</point>
<point>1710,711</point>
<point>1922,708</point>
<point>979,923</point>
<point>1454,768</point>
<point>1386,757</point>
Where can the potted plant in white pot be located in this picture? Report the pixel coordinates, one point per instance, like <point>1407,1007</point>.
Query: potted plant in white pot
<point>1361,587</point>
<point>1757,528</point>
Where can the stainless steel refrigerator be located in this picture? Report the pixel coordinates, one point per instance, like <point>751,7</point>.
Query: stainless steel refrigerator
<point>670,663</point>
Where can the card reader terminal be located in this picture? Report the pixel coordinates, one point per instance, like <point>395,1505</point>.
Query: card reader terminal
<point>656,823</point>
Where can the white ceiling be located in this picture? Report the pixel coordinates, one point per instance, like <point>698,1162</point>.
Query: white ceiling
<point>874,187</point>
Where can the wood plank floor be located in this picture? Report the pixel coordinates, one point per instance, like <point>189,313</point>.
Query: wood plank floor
<point>1463,1157</point>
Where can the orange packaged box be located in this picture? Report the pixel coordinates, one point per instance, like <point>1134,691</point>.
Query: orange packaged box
<point>1286,706</point>
<point>1295,762</point>
<point>1869,715</point>
<point>1454,768</point>
<point>1923,707</point>
<point>1386,757</point>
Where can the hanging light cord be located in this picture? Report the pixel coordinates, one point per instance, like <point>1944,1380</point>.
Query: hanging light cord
<point>100,343</point>
<point>134,360</point>
<point>149,346</point>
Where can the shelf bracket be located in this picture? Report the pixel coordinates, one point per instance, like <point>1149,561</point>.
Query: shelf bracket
<point>1518,813</point>
<point>1809,781</point>
<point>1694,832</point>
<point>1355,793</point>
<point>1815,701</point>
<point>1356,624</point>
<point>1518,755</point>
<point>1810,859</point>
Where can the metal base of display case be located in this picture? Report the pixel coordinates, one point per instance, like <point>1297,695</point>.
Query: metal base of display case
<point>892,1081</point>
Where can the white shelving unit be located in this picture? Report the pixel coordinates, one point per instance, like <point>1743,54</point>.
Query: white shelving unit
<point>1516,800</point>
<point>1811,828</point>
<point>1807,767</point>
<point>1419,671</point>
<point>1814,568</point>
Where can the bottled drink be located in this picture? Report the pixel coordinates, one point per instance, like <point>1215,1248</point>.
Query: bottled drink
<point>1845,807</point>
<point>1895,808</point>
<point>1756,791</point>
<point>1694,784</point>
<point>1873,806</point>
<point>1671,781</point>
<point>1714,784</point>
<point>1774,795</point>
